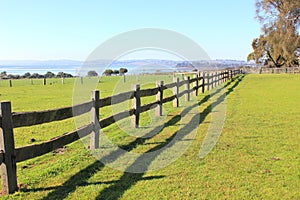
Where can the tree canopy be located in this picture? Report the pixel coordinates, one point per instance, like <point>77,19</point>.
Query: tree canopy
<point>279,43</point>
<point>92,73</point>
<point>109,72</point>
<point>123,71</point>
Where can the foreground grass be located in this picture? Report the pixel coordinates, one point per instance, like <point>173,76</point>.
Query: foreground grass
<point>257,155</point>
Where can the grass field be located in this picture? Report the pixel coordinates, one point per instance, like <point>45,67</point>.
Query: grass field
<point>256,157</point>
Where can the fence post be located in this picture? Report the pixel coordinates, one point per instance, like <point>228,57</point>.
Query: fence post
<point>7,144</point>
<point>45,81</point>
<point>136,105</point>
<point>196,85</point>
<point>228,75</point>
<point>187,88</point>
<point>10,83</point>
<point>176,92</point>
<point>94,138</point>
<point>215,79</point>
<point>159,97</point>
<point>62,80</point>
<point>81,80</point>
<point>31,81</point>
<point>207,81</point>
<point>221,77</point>
<point>203,82</point>
<point>212,80</point>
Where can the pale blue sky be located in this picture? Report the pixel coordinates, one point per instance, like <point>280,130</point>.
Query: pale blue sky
<point>72,29</point>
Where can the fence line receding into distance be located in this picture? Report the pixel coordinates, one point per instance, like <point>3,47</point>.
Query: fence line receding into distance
<point>10,155</point>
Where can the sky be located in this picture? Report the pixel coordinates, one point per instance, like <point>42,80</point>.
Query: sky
<point>72,29</point>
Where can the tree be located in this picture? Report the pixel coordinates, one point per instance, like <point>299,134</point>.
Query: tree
<point>63,75</point>
<point>3,74</point>
<point>108,72</point>
<point>123,71</point>
<point>280,42</point>
<point>251,56</point>
<point>92,73</point>
<point>35,75</point>
<point>116,72</point>
<point>26,75</point>
<point>49,75</point>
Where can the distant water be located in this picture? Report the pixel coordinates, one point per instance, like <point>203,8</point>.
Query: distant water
<point>80,68</point>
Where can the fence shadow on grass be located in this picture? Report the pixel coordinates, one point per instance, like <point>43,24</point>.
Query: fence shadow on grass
<point>117,188</point>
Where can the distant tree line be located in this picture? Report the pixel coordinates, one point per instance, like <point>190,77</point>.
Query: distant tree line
<point>4,75</point>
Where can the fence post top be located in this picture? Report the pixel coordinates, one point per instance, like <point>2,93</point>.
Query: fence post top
<point>5,102</point>
<point>159,82</point>
<point>135,86</point>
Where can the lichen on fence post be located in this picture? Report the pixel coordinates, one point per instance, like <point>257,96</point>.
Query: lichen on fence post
<point>136,105</point>
<point>94,137</point>
<point>7,145</point>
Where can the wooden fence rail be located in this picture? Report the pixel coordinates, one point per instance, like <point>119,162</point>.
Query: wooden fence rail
<point>9,155</point>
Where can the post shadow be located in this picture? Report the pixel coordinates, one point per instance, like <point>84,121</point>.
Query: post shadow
<point>118,188</point>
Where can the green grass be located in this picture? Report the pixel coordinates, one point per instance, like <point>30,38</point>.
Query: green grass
<point>256,157</point>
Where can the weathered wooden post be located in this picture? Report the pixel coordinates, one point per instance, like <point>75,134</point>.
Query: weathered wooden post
<point>136,105</point>
<point>81,80</point>
<point>159,97</point>
<point>187,88</point>
<point>94,138</point>
<point>228,75</point>
<point>196,85</point>
<point>203,82</point>
<point>7,145</point>
<point>62,80</point>
<point>45,81</point>
<point>212,80</point>
<point>10,83</point>
<point>124,78</point>
<point>216,79</point>
<point>207,81</point>
<point>31,81</point>
<point>176,92</point>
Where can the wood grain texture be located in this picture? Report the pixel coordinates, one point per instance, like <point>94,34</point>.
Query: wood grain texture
<point>22,119</point>
<point>32,151</point>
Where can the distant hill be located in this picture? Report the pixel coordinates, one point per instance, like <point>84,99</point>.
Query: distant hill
<point>134,66</point>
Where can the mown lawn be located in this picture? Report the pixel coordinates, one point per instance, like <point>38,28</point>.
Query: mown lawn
<point>257,155</point>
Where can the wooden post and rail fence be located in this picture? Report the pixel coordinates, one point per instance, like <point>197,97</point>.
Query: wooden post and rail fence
<point>11,155</point>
